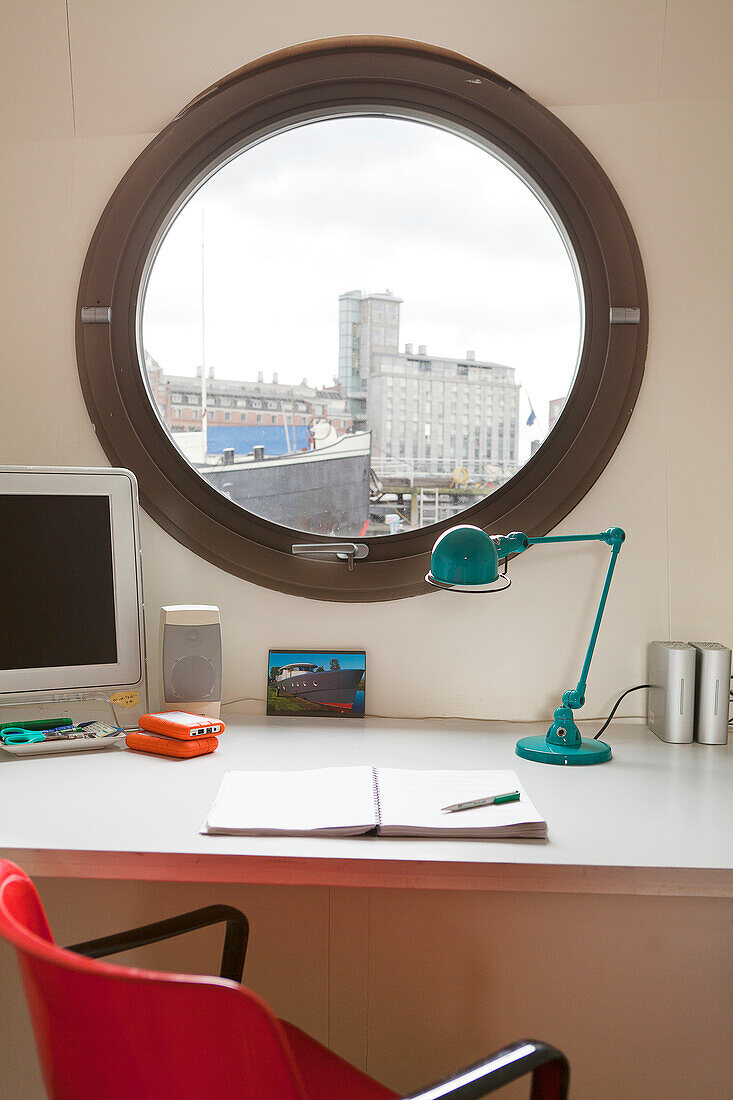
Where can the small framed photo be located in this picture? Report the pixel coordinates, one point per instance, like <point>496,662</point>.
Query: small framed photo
<point>316,683</point>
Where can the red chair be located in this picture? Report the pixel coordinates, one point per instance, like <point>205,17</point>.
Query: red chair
<point>105,1032</point>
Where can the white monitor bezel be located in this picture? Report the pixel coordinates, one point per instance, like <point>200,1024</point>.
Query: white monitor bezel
<point>120,487</point>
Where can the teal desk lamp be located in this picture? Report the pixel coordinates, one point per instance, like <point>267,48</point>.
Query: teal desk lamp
<point>466,559</point>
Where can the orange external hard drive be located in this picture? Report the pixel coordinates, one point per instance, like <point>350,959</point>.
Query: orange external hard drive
<point>181,724</point>
<point>166,746</point>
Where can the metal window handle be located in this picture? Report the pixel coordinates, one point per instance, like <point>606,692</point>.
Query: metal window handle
<point>322,551</point>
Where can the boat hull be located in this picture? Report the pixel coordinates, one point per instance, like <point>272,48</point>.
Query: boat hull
<point>327,496</point>
<point>324,491</point>
<point>332,688</point>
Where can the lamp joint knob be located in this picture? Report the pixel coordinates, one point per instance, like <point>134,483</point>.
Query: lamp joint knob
<point>614,536</point>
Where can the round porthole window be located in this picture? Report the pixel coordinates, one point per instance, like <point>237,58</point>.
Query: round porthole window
<point>287,383</point>
<point>352,292</point>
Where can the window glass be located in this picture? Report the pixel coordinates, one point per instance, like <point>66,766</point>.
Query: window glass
<point>308,270</point>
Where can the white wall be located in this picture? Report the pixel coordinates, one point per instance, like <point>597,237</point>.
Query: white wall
<point>648,88</point>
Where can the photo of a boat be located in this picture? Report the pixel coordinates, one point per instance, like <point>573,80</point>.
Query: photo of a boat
<point>329,687</point>
<point>316,682</point>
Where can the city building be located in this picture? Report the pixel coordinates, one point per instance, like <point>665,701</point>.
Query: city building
<point>369,327</point>
<point>243,414</point>
<point>555,407</point>
<point>441,412</point>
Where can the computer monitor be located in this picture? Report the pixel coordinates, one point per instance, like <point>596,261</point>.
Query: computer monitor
<point>71,608</point>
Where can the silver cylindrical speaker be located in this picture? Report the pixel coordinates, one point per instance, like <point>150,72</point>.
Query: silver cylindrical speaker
<point>712,692</point>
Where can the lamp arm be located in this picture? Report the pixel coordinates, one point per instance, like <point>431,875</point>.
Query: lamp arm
<point>576,698</point>
<point>613,537</point>
<point>563,731</point>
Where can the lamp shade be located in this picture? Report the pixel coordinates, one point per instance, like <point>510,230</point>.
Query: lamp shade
<point>464,555</point>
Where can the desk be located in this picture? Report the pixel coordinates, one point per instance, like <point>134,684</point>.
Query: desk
<point>451,959</point>
<point>656,820</point>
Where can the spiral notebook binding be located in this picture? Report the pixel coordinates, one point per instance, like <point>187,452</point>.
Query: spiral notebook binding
<point>375,795</point>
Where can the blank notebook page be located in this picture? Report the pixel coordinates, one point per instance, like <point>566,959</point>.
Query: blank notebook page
<point>411,801</point>
<point>330,801</point>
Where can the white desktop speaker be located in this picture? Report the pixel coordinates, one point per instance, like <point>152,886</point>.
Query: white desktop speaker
<point>190,659</point>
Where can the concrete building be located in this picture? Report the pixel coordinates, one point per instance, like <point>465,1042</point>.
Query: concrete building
<point>369,327</point>
<point>441,412</point>
<point>555,407</point>
<point>242,413</point>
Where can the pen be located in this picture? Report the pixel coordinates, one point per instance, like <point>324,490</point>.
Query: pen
<point>63,735</point>
<point>70,728</point>
<point>490,800</point>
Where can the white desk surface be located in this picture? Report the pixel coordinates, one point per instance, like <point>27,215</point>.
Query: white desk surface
<point>657,819</point>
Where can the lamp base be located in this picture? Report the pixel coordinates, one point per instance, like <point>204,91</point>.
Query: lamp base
<point>540,749</point>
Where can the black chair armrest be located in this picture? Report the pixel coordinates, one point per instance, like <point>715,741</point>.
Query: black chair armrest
<point>549,1069</point>
<point>235,939</point>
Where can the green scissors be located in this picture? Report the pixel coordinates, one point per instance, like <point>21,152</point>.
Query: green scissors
<point>14,735</point>
<point>19,735</point>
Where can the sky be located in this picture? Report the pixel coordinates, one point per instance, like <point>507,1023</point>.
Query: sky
<point>279,657</point>
<point>369,203</point>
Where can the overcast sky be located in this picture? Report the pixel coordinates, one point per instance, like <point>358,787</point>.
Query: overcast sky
<point>369,204</point>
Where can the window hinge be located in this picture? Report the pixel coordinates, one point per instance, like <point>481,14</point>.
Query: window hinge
<point>96,315</point>
<point>324,551</point>
<point>625,315</point>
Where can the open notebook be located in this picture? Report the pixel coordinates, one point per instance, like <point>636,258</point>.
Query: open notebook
<point>351,801</point>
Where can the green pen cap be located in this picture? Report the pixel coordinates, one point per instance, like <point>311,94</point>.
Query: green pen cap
<point>38,725</point>
<point>513,797</point>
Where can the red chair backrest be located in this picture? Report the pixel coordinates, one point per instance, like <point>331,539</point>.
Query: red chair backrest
<point>106,1031</point>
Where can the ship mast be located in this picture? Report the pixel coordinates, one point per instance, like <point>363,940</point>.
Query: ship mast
<point>204,395</point>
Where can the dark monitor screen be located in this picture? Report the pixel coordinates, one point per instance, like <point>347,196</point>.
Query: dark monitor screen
<point>57,597</point>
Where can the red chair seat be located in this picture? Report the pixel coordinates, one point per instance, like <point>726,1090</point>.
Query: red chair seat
<point>328,1077</point>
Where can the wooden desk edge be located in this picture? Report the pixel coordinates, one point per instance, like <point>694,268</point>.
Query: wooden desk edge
<point>390,874</point>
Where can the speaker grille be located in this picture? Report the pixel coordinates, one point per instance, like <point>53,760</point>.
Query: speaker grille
<point>193,678</point>
<point>191,663</point>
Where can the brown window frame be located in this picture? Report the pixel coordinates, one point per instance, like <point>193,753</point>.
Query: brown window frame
<point>305,83</point>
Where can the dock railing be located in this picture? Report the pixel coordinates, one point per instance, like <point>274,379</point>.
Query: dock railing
<point>443,473</point>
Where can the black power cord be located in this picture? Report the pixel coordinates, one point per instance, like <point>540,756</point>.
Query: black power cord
<point>615,707</point>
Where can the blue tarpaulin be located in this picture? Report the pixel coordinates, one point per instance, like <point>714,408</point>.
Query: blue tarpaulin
<point>243,437</point>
